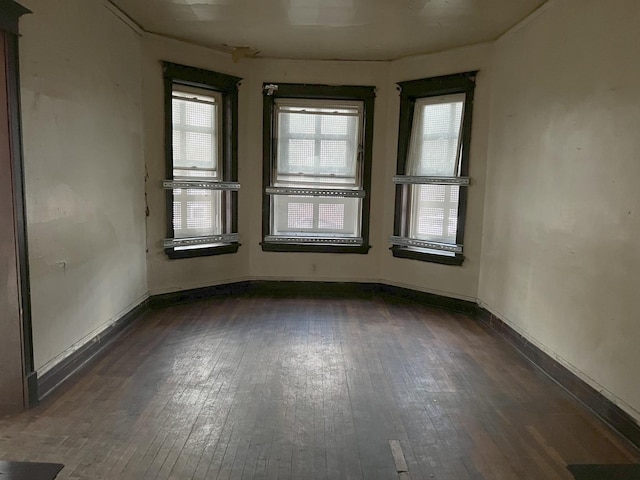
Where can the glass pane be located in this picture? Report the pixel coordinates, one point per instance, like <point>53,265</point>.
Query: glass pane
<point>301,123</point>
<point>200,115</point>
<point>331,216</point>
<point>315,216</point>
<point>317,143</point>
<point>196,212</point>
<point>434,213</point>
<point>434,149</point>
<point>299,215</point>
<point>301,155</point>
<point>195,133</point>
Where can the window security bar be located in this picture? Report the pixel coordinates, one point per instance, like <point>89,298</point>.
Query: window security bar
<point>190,241</point>
<point>199,184</point>
<point>414,242</point>
<point>314,240</point>
<point>315,192</point>
<point>418,180</point>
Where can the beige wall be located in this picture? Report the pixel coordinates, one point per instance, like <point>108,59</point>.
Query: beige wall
<point>83,153</point>
<point>562,219</point>
<point>165,275</point>
<point>251,262</point>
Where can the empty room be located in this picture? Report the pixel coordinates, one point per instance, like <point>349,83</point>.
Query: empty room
<point>307,239</point>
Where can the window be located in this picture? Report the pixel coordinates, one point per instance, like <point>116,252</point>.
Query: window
<point>433,167</point>
<point>201,150</point>
<point>317,175</point>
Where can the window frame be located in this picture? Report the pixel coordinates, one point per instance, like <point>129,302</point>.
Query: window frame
<point>273,91</point>
<point>410,92</point>
<point>227,87</point>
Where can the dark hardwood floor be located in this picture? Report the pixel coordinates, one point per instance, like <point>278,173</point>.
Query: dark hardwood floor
<point>265,386</point>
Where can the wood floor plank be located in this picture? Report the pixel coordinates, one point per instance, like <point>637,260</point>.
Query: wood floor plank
<point>265,386</point>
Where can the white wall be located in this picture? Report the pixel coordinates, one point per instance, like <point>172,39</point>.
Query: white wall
<point>251,262</point>
<point>562,213</point>
<point>83,153</point>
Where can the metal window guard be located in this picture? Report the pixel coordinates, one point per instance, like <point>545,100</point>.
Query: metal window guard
<point>199,184</point>
<point>315,192</point>
<point>193,241</point>
<point>313,240</point>
<point>414,242</point>
<point>423,180</point>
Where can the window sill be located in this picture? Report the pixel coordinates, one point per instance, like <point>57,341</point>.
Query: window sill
<point>424,256</point>
<point>174,254</point>
<point>317,248</point>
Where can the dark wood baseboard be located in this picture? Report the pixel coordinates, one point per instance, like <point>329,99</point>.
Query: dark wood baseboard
<point>431,299</point>
<point>195,294</point>
<point>315,289</point>
<point>32,389</point>
<point>55,377</point>
<point>604,408</point>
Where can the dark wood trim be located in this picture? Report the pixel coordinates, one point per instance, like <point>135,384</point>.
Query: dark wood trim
<point>324,92</point>
<point>10,13</point>
<point>410,91</point>
<point>316,248</point>
<point>202,252</point>
<point>227,85</point>
<point>414,254</point>
<point>268,149</point>
<point>82,357</point>
<point>604,408</point>
<point>436,86</point>
<point>365,94</point>
<point>199,77</point>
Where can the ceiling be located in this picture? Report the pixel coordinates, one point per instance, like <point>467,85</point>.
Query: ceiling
<point>330,29</point>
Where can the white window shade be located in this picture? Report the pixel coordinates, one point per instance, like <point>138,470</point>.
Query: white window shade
<point>434,148</point>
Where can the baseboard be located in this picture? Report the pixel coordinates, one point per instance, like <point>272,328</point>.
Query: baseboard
<point>193,294</point>
<point>604,408</point>
<point>431,299</point>
<point>70,365</point>
<point>309,288</point>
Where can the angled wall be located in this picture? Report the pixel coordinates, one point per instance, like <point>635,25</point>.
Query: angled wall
<point>562,217</point>
<point>83,152</point>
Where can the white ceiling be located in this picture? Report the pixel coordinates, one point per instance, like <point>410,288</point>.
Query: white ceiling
<point>330,29</point>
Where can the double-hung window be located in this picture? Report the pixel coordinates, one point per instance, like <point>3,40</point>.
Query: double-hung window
<point>317,158</point>
<point>433,168</point>
<point>201,149</point>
